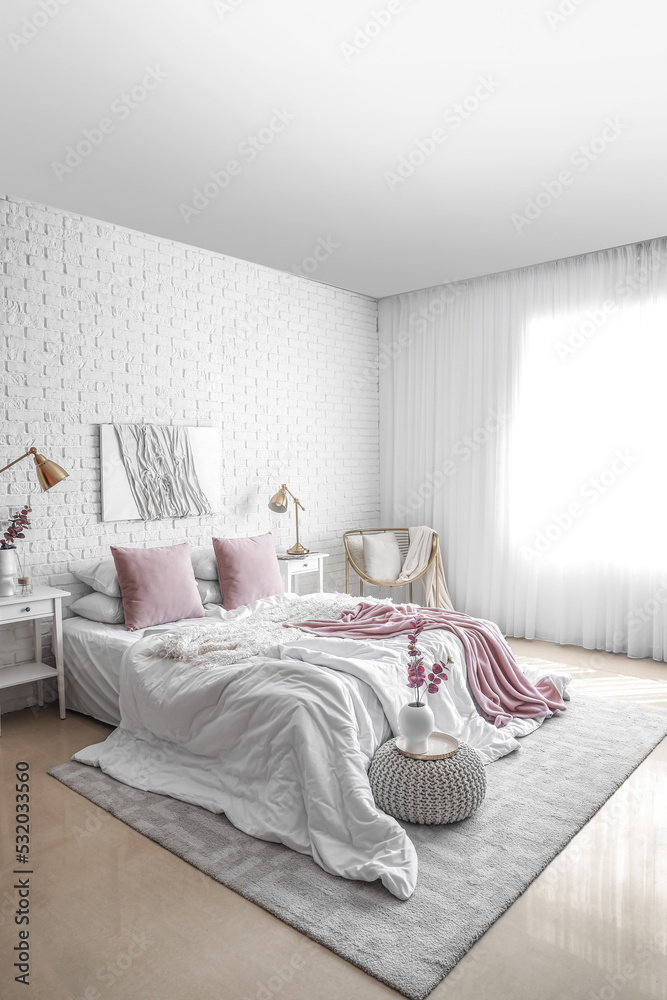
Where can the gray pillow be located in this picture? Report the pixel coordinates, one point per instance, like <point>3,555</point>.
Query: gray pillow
<point>209,591</point>
<point>100,608</point>
<point>204,564</point>
<point>100,574</point>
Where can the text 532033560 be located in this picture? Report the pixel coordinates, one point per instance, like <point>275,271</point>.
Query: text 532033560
<point>22,885</point>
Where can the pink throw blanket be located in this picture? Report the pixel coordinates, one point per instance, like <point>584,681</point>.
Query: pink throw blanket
<point>497,682</point>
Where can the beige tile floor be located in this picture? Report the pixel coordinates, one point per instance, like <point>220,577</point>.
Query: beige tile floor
<point>116,917</point>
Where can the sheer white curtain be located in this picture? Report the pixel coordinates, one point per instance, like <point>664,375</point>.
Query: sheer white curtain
<point>523,416</point>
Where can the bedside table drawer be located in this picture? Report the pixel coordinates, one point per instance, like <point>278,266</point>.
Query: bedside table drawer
<point>306,565</point>
<point>26,609</point>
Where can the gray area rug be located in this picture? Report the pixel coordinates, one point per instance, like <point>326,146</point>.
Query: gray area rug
<point>538,798</point>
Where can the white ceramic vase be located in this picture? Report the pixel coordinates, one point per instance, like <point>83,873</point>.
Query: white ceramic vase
<point>416,721</point>
<point>8,572</point>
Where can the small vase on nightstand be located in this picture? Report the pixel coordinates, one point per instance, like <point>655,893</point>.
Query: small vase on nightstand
<point>8,571</point>
<point>416,722</point>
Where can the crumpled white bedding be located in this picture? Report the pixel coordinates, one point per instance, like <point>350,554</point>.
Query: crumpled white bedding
<point>281,742</point>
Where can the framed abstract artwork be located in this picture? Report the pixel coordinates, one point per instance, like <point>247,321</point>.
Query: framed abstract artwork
<point>156,471</point>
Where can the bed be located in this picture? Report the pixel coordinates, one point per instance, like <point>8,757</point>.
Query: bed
<point>277,730</point>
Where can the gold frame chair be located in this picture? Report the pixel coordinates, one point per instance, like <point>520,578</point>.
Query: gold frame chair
<point>403,539</point>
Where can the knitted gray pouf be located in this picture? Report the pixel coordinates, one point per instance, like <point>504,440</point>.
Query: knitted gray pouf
<point>427,791</point>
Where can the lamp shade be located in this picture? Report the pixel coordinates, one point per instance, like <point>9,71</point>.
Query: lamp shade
<point>278,503</point>
<point>49,473</point>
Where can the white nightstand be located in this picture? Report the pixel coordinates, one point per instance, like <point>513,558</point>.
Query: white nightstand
<point>44,602</point>
<point>291,568</point>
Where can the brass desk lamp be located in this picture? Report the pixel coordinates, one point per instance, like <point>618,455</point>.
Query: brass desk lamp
<point>279,504</point>
<point>48,473</point>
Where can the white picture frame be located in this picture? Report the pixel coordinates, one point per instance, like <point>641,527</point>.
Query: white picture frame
<point>118,503</point>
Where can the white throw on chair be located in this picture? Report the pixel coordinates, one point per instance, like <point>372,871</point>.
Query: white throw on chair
<point>419,549</point>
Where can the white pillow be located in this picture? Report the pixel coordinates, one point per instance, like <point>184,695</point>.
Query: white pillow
<point>204,564</point>
<point>100,608</point>
<point>100,574</point>
<point>355,546</point>
<point>382,556</point>
<point>209,591</point>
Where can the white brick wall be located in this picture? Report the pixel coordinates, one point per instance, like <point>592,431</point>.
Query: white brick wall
<point>101,324</point>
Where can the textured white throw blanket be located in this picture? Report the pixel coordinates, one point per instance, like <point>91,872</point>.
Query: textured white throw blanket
<point>419,553</point>
<point>215,643</point>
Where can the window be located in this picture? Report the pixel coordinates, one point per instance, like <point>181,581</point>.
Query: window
<point>588,464</point>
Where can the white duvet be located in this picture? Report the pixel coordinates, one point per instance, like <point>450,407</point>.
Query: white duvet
<point>281,741</point>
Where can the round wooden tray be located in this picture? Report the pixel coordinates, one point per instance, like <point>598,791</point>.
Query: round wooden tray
<point>440,745</point>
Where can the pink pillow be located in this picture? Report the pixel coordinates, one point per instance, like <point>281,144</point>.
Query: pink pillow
<point>247,569</point>
<point>157,585</point>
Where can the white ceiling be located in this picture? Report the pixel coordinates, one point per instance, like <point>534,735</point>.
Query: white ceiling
<point>321,180</point>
